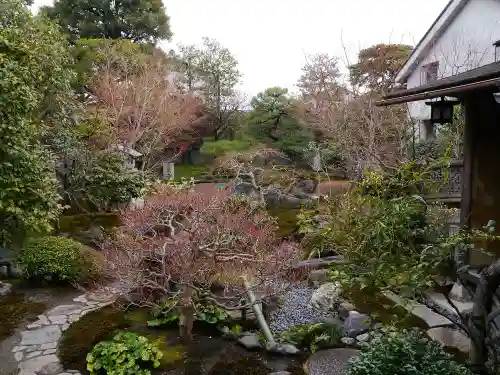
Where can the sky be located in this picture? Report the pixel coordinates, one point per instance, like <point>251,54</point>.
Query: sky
<point>271,38</point>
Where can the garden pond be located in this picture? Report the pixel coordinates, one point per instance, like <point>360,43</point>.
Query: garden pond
<point>208,353</point>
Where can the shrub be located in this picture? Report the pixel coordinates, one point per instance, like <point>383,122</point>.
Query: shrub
<point>167,312</point>
<point>127,353</point>
<point>164,313</point>
<point>211,314</point>
<point>313,336</point>
<point>405,353</point>
<point>59,259</point>
<point>102,181</point>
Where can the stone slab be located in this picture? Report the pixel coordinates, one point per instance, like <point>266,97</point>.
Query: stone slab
<point>64,310</point>
<point>42,335</point>
<point>450,338</point>
<point>431,318</point>
<point>35,364</point>
<point>440,299</point>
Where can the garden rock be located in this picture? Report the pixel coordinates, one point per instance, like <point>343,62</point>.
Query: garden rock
<point>327,297</point>
<point>250,341</point>
<point>285,349</point>
<point>280,373</point>
<point>364,337</point>
<point>349,341</point>
<point>344,309</point>
<point>4,288</point>
<point>330,362</point>
<point>318,277</point>
<point>356,324</point>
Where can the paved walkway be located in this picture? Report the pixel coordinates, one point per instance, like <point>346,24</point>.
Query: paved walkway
<point>36,353</point>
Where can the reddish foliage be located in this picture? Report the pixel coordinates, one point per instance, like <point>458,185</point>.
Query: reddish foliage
<point>197,238</point>
<point>144,107</point>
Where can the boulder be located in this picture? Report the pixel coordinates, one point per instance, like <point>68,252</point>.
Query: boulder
<point>317,278</point>
<point>364,337</point>
<point>331,361</point>
<point>327,297</point>
<point>349,341</point>
<point>250,341</point>
<point>285,349</point>
<point>356,324</point>
<point>344,309</point>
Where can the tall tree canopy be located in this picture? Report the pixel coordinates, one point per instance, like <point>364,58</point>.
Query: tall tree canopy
<point>34,58</point>
<point>378,66</point>
<point>213,70</point>
<point>139,20</point>
<point>320,76</point>
<point>272,122</point>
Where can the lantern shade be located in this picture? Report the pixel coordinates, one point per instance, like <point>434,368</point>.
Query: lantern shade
<point>442,111</point>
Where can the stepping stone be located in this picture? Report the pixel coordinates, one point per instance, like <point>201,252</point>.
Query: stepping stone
<point>50,345</point>
<point>440,299</point>
<point>37,363</point>
<point>51,369</point>
<point>64,310</point>
<point>431,318</point>
<point>58,319</point>
<point>330,362</point>
<point>33,354</point>
<point>42,335</point>
<point>450,338</point>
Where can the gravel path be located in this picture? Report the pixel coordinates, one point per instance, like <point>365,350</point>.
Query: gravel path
<point>295,309</point>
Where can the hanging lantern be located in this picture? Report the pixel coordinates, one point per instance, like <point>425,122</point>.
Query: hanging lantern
<point>442,111</point>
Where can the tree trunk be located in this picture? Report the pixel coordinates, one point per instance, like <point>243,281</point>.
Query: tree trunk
<point>187,314</point>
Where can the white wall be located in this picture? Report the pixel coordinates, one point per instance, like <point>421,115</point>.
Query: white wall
<point>466,44</point>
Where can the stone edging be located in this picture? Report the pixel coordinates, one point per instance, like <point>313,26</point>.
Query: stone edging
<point>36,353</point>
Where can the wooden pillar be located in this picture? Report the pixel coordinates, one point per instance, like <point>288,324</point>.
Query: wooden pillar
<point>465,206</point>
<point>481,189</point>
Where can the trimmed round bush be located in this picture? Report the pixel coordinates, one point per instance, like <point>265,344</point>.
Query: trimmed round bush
<point>58,259</point>
<point>408,352</point>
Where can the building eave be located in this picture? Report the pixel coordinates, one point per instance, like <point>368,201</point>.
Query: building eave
<point>437,28</point>
<point>486,76</point>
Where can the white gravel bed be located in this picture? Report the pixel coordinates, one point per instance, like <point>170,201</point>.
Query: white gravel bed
<point>295,309</point>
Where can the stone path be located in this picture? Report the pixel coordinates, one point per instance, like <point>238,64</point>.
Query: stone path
<point>36,353</point>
